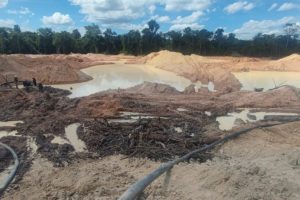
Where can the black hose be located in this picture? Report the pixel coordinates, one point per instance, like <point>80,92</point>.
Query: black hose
<point>13,172</point>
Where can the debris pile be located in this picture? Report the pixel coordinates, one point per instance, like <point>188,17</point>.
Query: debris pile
<point>148,138</point>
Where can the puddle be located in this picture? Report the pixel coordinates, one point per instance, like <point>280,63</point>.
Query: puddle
<point>123,76</point>
<point>228,122</point>
<point>182,109</point>
<point>210,86</point>
<point>59,140</point>
<point>132,117</point>
<point>6,133</point>
<point>207,113</point>
<point>10,123</point>
<point>178,129</point>
<point>125,114</point>
<point>267,79</point>
<point>122,121</point>
<point>71,135</point>
<point>135,116</point>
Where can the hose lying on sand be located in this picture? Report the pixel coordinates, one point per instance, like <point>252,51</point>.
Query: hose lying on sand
<point>138,187</point>
<point>13,172</point>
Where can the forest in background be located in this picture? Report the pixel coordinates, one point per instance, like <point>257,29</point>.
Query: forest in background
<point>150,39</point>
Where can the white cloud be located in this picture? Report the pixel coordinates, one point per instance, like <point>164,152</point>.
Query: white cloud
<point>239,6</point>
<point>253,27</point>
<point>288,6</point>
<point>152,8</point>
<point>161,19</point>
<point>57,19</point>
<point>7,23</point>
<point>114,13</point>
<point>191,5</point>
<point>21,11</point>
<point>179,27</point>
<point>273,6</point>
<point>189,21</point>
<point>3,3</point>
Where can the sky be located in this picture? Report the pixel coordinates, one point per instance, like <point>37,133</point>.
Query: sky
<point>244,18</point>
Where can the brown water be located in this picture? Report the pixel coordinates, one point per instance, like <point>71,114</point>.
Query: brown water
<point>123,76</point>
<point>228,122</point>
<point>267,79</point>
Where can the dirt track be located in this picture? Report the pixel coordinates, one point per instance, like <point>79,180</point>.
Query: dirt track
<point>263,164</point>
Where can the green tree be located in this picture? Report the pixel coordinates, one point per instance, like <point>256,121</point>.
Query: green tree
<point>151,41</point>
<point>131,42</point>
<point>93,40</point>
<point>45,41</point>
<point>291,30</point>
<point>63,42</point>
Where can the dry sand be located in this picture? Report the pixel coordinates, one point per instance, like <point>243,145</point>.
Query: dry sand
<point>263,164</point>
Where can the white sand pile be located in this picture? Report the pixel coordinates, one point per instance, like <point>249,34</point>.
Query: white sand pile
<point>291,58</point>
<point>195,68</point>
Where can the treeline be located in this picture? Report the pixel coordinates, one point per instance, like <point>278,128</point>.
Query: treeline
<point>188,41</point>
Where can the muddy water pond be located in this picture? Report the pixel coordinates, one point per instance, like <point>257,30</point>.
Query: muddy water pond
<point>267,79</point>
<point>123,76</point>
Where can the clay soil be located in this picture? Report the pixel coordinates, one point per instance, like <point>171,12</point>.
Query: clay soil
<point>262,164</point>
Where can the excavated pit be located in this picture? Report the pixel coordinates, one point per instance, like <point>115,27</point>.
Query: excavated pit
<point>145,122</point>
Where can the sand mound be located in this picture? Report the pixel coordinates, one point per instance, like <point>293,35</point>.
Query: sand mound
<point>195,68</point>
<point>293,57</point>
<point>152,88</point>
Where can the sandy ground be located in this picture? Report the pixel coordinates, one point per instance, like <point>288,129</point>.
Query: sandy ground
<point>264,164</point>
